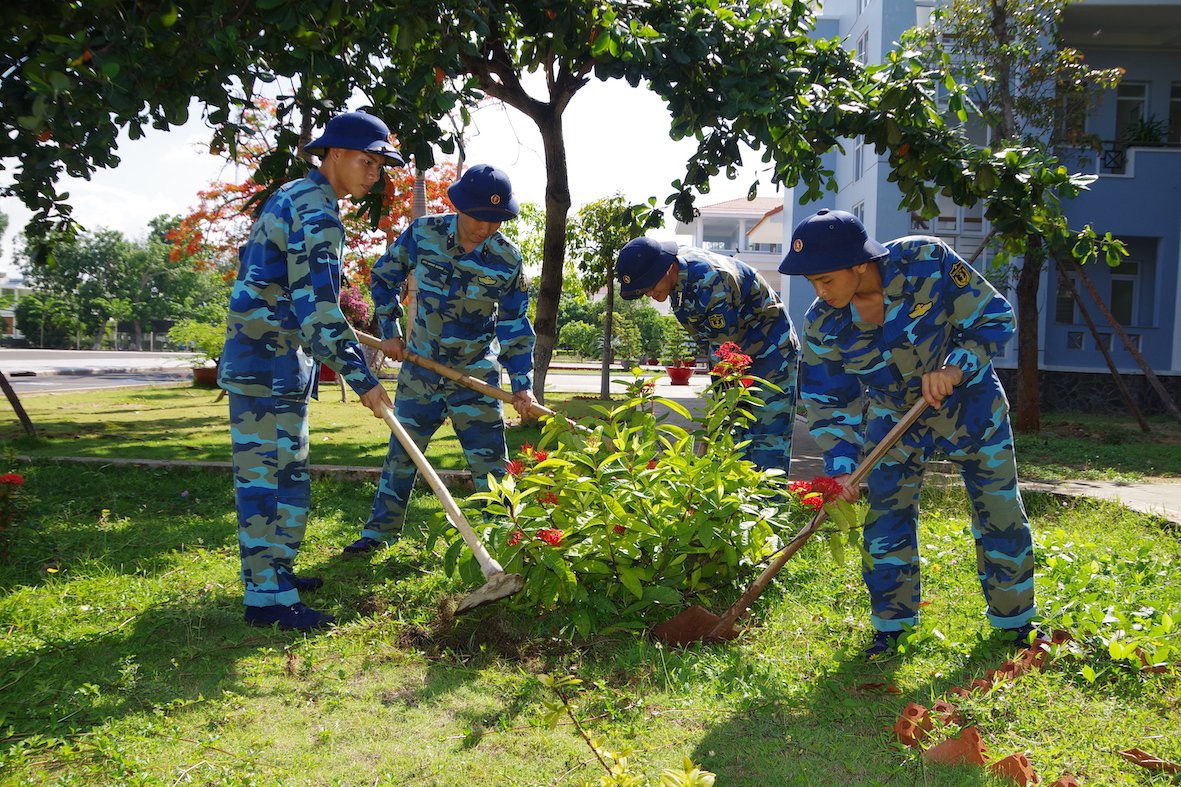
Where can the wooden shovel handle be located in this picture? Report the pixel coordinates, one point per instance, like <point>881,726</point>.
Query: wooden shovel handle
<point>726,621</point>
<point>537,410</point>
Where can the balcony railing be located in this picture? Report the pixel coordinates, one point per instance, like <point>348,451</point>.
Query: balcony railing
<point>1111,158</point>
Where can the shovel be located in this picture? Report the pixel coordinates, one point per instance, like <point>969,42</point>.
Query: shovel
<point>698,623</point>
<point>537,410</point>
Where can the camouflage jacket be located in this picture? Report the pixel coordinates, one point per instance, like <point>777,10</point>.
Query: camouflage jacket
<point>284,307</point>
<point>722,299</point>
<point>472,306</point>
<point>937,310</point>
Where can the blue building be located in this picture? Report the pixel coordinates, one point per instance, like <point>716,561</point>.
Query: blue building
<point>1137,196</point>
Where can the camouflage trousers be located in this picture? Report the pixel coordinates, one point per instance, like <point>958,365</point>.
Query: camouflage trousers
<point>771,432</point>
<point>421,407</point>
<point>271,492</point>
<point>973,430</point>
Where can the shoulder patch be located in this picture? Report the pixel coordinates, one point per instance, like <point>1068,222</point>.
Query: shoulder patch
<point>523,282</point>
<point>717,321</point>
<point>960,274</point>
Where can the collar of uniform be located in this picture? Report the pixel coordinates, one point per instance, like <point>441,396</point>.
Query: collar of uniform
<point>317,177</point>
<point>676,296</point>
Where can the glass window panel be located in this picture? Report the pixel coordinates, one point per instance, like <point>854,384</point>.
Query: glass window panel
<point>1123,300</point>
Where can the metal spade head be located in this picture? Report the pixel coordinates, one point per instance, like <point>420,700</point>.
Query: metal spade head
<point>497,587</point>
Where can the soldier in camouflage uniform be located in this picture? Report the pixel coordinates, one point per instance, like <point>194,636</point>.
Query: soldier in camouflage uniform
<point>894,323</point>
<point>721,299</point>
<point>472,303</point>
<point>284,321</point>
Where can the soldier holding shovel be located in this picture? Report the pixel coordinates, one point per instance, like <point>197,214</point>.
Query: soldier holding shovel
<point>895,323</point>
<point>721,299</point>
<point>284,320</point>
<point>472,303</point>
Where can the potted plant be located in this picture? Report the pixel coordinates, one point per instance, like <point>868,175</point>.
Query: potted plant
<point>206,340</point>
<point>680,352</point>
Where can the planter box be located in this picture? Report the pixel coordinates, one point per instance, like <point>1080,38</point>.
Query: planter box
<point>327,375</point>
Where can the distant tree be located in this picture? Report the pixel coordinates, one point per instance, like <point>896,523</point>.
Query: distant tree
<point>582,338</point>
<point>47,320</point>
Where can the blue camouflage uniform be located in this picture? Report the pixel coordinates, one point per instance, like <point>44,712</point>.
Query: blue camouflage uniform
<point>937,310</point>
<point>722,299</point>
<point>471,312</point>
<point>284,317</point>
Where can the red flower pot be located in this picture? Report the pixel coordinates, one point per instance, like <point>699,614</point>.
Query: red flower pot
<point>679,375</point>
<point>327,375</point>
<point>205,376</point>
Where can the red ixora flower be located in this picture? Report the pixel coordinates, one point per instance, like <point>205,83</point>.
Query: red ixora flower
<point>619,530</point>
<point>515,538</point>
<point>727,349</point>
<point>12,479</point>
<point>541,456</point>
<point>550,535</point>
<point>651,464</point>
<point>828,487</point>
<point>526,449</point>
<point>813,501</point>
<point>515,467</point>
<point>548,499</point>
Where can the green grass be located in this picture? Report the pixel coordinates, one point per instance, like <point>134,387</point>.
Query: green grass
<point>124,659</point>
<point>1094,447</point>
<point>187,424</point>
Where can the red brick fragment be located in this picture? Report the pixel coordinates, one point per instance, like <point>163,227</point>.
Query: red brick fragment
<point>1017,768</point>
<point>967,747</point>
<point>1065,780</point>
<point>913,724</point>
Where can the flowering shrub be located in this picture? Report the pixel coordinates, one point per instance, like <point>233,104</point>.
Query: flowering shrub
<point>623,514</point>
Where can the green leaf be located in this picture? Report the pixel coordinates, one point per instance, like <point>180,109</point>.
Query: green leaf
<point>631,580</point>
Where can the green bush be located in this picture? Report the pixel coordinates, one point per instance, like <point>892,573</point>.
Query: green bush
<point>624,516</point>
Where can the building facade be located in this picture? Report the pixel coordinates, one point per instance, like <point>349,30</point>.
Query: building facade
<point>1135,152</point>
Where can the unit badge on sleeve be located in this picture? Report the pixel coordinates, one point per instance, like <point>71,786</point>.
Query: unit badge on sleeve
<point>960,274</point>
<point>717,321</point>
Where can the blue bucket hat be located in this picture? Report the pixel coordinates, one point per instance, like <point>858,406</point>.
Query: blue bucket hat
<point>829,240</point>
<point>356,131</point>
<point>641,263</point>
<point>484,193</point>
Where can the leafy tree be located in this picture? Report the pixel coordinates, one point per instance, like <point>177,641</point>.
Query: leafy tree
<point>651,324</point>
<point>597,233</point>
<point>731,73</point>
<point>1030,90</point>
<point>47,319</point>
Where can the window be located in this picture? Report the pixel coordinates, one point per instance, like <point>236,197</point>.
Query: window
<point>859,211</point>
<point>1175,114</point>
<point>1074,340</point>
<point>1123,292</point>
<point>863,48</point>
<point>719,235</point>
<point>1131,106</point>
<point>1064,306</point>
<point>858,158</point>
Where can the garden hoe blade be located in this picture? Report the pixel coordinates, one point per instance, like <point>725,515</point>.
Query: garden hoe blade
<point>697,624</point>
<point>498,584</point>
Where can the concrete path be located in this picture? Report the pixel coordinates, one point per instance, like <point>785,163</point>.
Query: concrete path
<point>1161,498</point>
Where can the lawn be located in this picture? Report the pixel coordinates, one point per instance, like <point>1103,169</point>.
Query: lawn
<point>125,660</point>
<point>187,424</point>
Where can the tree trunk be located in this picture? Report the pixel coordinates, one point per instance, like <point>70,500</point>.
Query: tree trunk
<point>1149,375</point>
<point>1028,419</point>
<point>1125,394</point>
<point>557,207</point>
<point>608,323</point>
<point>17,407</point>
<point>137,335</point>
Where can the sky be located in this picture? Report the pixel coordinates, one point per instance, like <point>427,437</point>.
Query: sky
<point>616,140</point>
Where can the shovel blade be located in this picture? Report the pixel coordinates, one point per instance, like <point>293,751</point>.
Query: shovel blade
<point>497,587</point>
<point>695,624</point>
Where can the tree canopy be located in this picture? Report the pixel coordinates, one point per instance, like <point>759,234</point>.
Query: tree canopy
<point>733,73</point>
